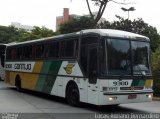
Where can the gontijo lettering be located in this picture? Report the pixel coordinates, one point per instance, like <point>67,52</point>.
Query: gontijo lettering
<point>8,66</point>
<point>17,66</point>
<point>22,66</point>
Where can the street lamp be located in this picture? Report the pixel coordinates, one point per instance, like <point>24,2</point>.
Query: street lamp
<point>128,10</point>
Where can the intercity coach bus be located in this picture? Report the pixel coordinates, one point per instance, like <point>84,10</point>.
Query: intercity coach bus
<point>95,66</point>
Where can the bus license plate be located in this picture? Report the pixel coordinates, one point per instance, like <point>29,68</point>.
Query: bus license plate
<point>132,96</point>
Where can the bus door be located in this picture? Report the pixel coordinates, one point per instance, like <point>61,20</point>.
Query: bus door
<point>92,74</point>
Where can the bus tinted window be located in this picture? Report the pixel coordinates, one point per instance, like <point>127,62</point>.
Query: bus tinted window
<point>89,40</point>
<point>34,51</point>
<point>8,54</point>
<point>40,48</point>
<point>13,53</point>
<point>67,49</point>
<point>53,50</point>
<point>19,53</point>
<point>140,52</point>
<point>27,52</point>
<point>118,57</point>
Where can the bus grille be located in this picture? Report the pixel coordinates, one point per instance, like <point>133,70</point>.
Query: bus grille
<point>132,88</point>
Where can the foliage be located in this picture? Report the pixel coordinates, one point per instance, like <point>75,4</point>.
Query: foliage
<point>36,33</point>
<point>76,24</point>
<point>135,26</point>
<point>101,4</point>
<point>12,34</point>
<point>156,72</point>
<point>8,34</point>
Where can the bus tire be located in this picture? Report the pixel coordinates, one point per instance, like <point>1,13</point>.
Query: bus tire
<point>72,94</point>
<point>18,84</point>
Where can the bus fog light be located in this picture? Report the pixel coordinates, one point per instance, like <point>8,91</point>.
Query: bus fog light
<point>149,96</point>
<point>112,98</point>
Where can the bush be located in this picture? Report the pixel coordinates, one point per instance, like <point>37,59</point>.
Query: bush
<point>156,72</point>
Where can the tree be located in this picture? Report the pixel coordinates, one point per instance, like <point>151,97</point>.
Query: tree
<point>36,33</point>
<point>156,71</point>
<point>42,32</point>
<point>135,26</point>
<point>12,34</point>
<point>76,24</point>
<point>8,34</point>
<point>101,8</point>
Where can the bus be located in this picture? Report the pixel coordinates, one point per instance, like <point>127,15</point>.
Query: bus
<point>2,58</point>
<point>95,66</point>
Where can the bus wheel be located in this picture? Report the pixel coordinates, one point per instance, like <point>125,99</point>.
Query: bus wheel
<point>72,95</point>
<point>18,84</point>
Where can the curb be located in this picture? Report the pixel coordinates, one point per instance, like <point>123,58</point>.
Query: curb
<point>156,98</point>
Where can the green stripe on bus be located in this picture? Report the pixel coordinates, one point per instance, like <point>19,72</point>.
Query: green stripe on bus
<point>138,82</point>
<point>53,70</point>
<point>141,83</point>
<point>42,78</point>
<point>135,83</point>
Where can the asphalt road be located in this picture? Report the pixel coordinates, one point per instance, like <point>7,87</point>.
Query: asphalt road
<point>28,105</point>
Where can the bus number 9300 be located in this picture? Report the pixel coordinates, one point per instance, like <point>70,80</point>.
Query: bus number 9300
<point>120,83</point>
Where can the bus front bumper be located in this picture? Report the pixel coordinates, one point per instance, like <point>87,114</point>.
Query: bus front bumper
<point>127,92</point>
<point>122,97</point>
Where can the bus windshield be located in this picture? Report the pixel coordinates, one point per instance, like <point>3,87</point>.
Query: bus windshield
<point>140,52</point>
<point>124,57</point>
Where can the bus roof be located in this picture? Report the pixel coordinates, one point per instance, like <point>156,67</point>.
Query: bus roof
<point>102,32</point>
<point>116,33</point>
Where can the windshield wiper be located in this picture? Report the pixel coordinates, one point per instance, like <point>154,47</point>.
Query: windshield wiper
<point>127,67</point>
<point>143,74</point>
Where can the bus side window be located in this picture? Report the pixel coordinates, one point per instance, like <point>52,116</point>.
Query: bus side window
<point>53,50</point>
<point>9,54</point>
<point>70,48</point>
<point>67,49</point>
<point>19,52</point>
<point>14,54</point>
<point>40,51</point>
<point>33,51</point>
<point>27,50</point>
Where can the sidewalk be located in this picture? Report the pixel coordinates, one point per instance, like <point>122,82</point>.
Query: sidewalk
<point>3,85</point>
<point>156,98</point>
